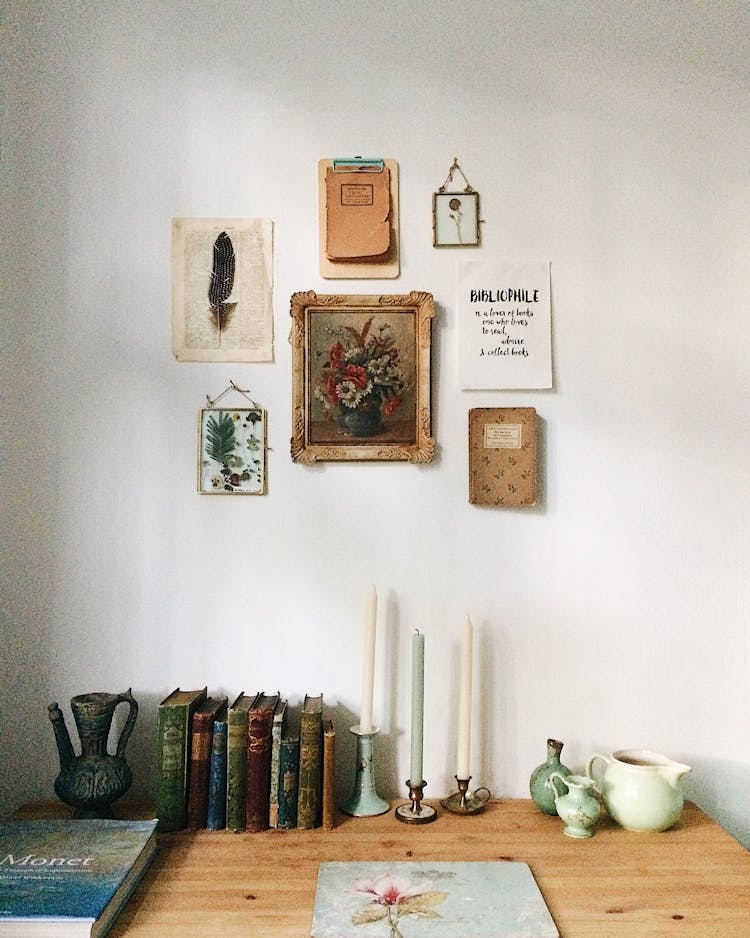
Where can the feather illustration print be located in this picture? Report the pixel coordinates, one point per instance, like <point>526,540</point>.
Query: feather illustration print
<point>222,282</point>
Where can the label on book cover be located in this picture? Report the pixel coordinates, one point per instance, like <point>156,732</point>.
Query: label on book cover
<point>172,750</point>
<point>502,456</point>
<point>502,436</point>
<point>356,194</point>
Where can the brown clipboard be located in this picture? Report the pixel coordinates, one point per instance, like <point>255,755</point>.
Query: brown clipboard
<point>360,201</point>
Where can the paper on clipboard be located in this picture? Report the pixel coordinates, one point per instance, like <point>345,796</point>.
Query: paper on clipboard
<point>358,221</point>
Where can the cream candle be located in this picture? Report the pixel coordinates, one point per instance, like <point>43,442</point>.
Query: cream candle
<point>368,662</point>
<point>463,747</point>
<point>417,708</point>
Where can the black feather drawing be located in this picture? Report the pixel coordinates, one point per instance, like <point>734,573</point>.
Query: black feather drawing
<point>222,281</point>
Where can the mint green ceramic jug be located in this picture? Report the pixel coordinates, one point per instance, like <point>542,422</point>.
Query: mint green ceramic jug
<point>641,789</point>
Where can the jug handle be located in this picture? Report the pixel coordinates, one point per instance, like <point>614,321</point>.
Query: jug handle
<point>552,777</point>
<point>127,698</point>
<point>590,765</point>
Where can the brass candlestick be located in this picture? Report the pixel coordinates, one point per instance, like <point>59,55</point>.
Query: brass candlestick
<point>464,801</point>
<point>416,812</point>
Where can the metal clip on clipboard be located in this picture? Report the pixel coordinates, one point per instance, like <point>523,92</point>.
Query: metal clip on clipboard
<point>358,164</point>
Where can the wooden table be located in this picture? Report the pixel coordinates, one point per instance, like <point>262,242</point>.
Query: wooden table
<point>691,880</point>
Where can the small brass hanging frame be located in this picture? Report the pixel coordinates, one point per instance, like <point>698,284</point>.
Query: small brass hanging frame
<point>455,213</point>
<point>232,446</point>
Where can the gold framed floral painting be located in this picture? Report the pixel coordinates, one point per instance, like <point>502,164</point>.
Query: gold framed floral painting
<point>361,377</point>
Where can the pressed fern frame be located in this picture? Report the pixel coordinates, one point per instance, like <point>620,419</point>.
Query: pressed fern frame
<point>219,450</point>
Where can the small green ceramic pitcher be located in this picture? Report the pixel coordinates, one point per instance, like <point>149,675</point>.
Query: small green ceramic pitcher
<point>578,808</point>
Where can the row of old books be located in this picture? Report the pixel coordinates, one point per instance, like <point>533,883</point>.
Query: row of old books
<point>243,766</point>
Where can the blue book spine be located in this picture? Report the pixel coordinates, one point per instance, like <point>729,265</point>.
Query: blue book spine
<point>217,780</point>
<point>288,782</point>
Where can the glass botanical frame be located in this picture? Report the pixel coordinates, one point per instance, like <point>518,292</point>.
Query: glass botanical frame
<point>232,451</point>
<point>361,377</point>
<point>455,219</point>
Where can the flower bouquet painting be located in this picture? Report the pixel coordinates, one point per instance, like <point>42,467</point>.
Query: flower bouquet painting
<point>429,900</point>
<point>362,380</point>
<point>361,377</point>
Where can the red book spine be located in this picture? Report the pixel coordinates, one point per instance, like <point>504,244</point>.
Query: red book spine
<point>201,741</point>
<point>259,768</point>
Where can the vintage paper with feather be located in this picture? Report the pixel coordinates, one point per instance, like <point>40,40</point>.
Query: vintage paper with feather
<point>222,289</point>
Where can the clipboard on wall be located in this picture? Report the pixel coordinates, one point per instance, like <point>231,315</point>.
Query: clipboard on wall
<point>358,236</point>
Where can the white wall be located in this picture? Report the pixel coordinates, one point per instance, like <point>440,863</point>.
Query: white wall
<point>608,138</point>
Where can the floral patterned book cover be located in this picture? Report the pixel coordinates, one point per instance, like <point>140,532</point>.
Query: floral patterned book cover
<point>410,899</point>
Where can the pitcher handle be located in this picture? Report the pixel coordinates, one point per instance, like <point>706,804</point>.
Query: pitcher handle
<point>127,698</point>
<point>551,778</point>
<point>590,765</point>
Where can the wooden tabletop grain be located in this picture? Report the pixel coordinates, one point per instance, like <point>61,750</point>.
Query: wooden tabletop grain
<point>693,880</point>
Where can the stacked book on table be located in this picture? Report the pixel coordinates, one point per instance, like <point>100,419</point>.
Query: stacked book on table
<point>241,766</point>
<point>69,878</point>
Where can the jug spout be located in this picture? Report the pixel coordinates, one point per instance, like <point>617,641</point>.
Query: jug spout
<point>673,771</point>
<point>62,737</point>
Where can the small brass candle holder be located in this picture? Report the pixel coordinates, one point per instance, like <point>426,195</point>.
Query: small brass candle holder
<point>464,801</point>
<point>365,801</point>
<point>417,812</point>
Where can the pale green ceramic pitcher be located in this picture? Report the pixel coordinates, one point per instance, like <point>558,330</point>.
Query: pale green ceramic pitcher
<point>577,807</point>
<point>641,789</point>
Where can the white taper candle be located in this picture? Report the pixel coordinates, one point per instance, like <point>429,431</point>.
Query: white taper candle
<point>463,747</point>
<point>368,662</point>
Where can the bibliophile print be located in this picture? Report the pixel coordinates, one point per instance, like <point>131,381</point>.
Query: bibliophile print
<point>504,325</point>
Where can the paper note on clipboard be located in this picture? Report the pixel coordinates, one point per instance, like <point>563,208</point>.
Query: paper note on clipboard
<point>358,218</point>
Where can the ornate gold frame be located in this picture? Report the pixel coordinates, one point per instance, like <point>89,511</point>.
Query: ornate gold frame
<point>413,441</point>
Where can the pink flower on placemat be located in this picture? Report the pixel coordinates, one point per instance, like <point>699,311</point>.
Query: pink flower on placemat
<point>391,897</point>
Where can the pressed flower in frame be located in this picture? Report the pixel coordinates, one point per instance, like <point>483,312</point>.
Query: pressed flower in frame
<point>231,451</point>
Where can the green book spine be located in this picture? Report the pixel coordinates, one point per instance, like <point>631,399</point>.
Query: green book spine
<point>310,763</point>
<point>277,731</point>
<point>173,757</point>
<point>237,725</point>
